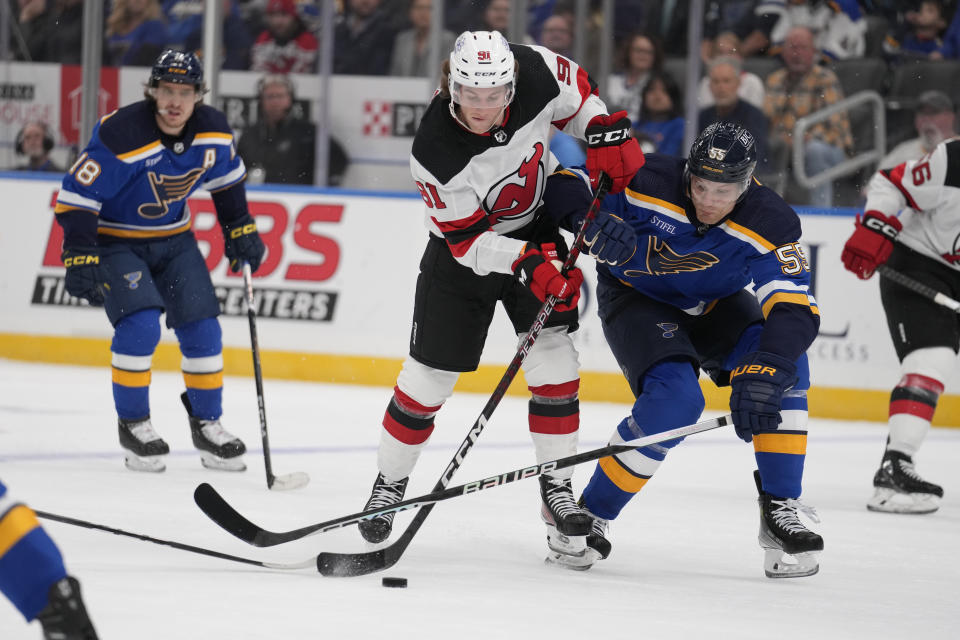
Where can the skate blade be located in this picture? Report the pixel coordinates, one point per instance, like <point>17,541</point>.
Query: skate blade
<point>890,501</point>
<point>211,461</point>
<point>574,563</point>
<point>564,544</point>
<point>777,564</point>
<point>149,464</point>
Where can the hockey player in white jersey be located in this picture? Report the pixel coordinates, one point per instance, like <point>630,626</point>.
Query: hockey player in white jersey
<point>911,222</point>
<point>480,160</point>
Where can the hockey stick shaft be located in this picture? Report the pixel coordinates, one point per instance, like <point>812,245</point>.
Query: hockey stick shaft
<point>176,545</point>
<point>213,504</point>
<point>257,372</point>
<point>918,287</point>
<point>363,563</point>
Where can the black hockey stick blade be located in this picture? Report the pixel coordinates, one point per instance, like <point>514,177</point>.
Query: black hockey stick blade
<point>220,511</point>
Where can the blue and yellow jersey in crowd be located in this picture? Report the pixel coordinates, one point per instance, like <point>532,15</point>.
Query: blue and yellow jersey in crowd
<point>132,181</point>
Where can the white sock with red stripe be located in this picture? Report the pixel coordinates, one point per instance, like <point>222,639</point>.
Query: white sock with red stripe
<point>555,422</point>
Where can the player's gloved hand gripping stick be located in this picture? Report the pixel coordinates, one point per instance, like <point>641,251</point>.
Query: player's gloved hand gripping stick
<point>357,564</point>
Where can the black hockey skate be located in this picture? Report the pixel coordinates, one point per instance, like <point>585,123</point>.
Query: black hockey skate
<point>790,548</point>
<point>900,489</point>
<point>383,494</point>
<point>219,449</point>
<point>65,616</point>
<point>567,524</point>
<point>143,447</point>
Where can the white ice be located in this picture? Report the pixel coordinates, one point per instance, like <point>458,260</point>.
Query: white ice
<point>685,559</point>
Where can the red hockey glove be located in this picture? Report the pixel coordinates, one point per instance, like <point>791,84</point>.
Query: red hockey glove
<point>536,270</point>
<point>612,150</point>
<point>871,243</point>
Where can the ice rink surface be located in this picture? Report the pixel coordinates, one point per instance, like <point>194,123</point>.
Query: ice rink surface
<point>685,560</point>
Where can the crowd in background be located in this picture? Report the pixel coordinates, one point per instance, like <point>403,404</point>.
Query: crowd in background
<point>766,63</point>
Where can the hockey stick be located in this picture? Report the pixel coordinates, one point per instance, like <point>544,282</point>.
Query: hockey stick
<point>213,504</point>
<point>918,287</point>
<point>293,480</point>
<point>176,545</point>
<point>358,564</point>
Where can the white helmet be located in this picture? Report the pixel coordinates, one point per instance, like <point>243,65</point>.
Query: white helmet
<point>481,59</point>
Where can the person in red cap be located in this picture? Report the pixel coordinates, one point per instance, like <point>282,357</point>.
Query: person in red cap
<point>285,46</point>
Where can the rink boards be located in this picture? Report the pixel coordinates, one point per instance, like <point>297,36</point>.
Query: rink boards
<point>335,298</point>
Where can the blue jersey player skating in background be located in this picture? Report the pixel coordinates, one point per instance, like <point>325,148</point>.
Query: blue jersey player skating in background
<point>128,246</point>
<point>33,578</point>
<point>678,252</point>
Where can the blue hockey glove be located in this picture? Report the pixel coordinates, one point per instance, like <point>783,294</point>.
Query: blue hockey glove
<point>83,273</point>
<point>609,239</point>
<point>242,243</point>
<point>758,383</point>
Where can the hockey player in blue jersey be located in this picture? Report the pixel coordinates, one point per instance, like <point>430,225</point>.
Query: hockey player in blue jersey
<point>676,252</point>
<point>128,246</point>
<point>33,578</point>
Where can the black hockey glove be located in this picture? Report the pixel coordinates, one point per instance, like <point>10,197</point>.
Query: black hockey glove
<point>757,386</point>
<point>83,273</point>
<point>242,243</point>
<point>609,239</point>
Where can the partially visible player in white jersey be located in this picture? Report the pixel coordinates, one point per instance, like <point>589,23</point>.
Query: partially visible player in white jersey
<point>480,161</point>
<point>912,223</point>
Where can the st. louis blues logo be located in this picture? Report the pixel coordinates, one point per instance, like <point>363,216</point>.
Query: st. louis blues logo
<point>133,278</point>
<point>661,260</point>
<point>669,328</point>
<point>167,189</point>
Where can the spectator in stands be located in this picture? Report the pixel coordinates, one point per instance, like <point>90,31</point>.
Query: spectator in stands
<point>639,57</point>
<point>411,49</point>
<point>724,79</point>
<point>935,121</point>
<point>363,40</point>
<point>280,147</point>
<point>496,16</point>
<point>557,35</point>
<point>799,89</point>
<point>838,26</point>
<point>951,40</point>
<point>135,33</point>
<point>285,46</point>
<point>35,141</point>
<point>918,35</point>
<point>185,31</point>
<point>53,30</point>
<point>727,44</point>
<point>661,122</point>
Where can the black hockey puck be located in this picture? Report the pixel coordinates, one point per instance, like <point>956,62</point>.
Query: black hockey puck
<point>396,583</point>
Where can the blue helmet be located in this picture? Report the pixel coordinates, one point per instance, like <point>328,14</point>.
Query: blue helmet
<point>723,152</point>
<point>182,67</point>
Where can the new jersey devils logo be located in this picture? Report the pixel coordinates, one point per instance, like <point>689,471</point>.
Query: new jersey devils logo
<point>518,193</point>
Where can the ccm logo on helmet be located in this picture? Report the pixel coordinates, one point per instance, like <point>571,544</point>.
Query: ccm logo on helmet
<point>608,137</point>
